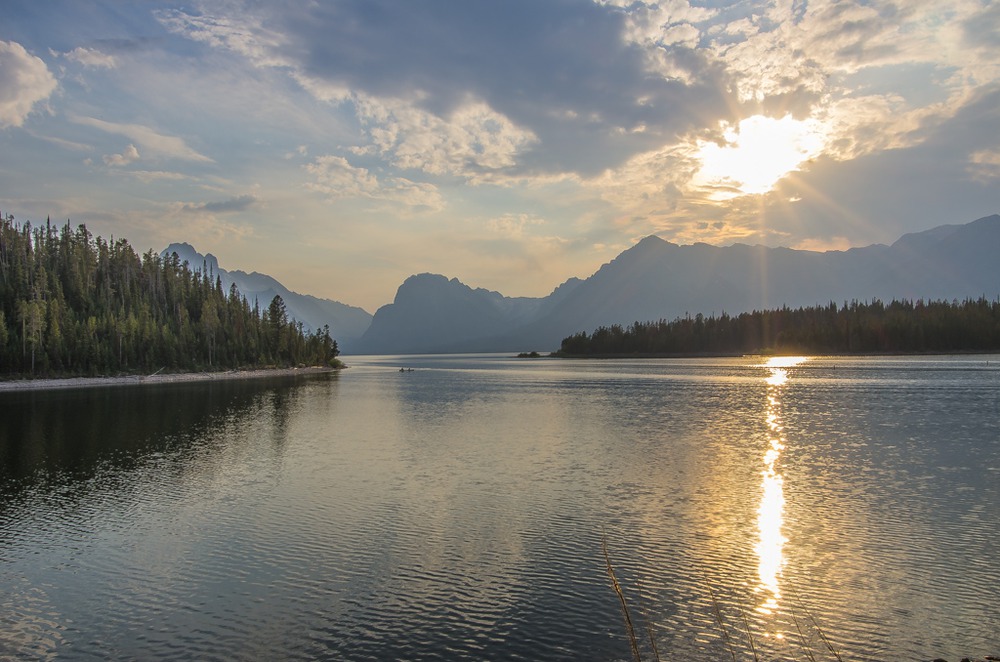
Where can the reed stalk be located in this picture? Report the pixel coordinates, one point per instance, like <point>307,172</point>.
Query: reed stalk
<point>722,625</point>
<point>746,623</point>
<point>649,627</point>
<point>802,639</point>
<point>819,631</point>
<point>629,628</point>
<point>822,635</point>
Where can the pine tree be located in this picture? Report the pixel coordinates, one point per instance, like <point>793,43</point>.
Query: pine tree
<point>75,304</point>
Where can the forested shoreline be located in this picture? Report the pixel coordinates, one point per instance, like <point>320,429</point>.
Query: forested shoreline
<point>857,327</point>
<point>72,304</point>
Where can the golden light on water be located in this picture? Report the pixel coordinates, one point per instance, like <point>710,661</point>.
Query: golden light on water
<point>777,377</point>
<point>780,362</point>
<point>770,513</point>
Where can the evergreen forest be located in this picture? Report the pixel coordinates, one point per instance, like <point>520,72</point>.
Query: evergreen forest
<point>72,304</point>
<point>853,328</point>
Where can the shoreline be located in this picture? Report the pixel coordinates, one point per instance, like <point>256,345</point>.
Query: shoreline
<point>20,385</point>
<point>730,355</point>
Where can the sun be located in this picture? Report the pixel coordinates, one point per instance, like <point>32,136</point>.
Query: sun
<point>758,152</point>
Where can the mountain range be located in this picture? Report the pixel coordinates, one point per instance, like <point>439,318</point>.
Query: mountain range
<point>347,323</point>
<point>654,279</point>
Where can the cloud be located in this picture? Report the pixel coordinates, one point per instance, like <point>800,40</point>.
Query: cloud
<point>242,31</point>
<point>236,204</point>
<point>24,82</point>
<point>563,87</point>
<point>824,244</point>
<point>472,142</point>
<point>148,176</point>
<point>151,141</point>
<point>339,180</point>
<point>584,89</point>
<point>985,164</point>
<point>130,155</point>
<point>983,28</point>
<point>586,114</point>
<point>513,225</point>
<point>62,142</point>
<point>92,58</point>
<point>200,228</point>
<point>881,195</point>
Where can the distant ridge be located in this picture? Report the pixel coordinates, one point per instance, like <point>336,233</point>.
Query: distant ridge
<point>434,314</point>
<point>347,323</point>
<point>656,279</point>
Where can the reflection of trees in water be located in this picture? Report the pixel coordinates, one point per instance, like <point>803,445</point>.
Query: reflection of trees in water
<point>116,497</point>
<point>78,433</point>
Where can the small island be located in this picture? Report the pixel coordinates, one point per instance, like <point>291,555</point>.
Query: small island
<point>73,305</point>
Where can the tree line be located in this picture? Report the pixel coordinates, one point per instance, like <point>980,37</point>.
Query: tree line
<point>905,326</point>
<point>75,304</point>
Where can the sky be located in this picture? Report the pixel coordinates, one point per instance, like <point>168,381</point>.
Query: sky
<point>344,145</point>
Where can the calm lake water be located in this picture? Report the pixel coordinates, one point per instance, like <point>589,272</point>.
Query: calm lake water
<point>459,510</point>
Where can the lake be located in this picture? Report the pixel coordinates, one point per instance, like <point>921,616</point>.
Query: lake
<point>460,511</point>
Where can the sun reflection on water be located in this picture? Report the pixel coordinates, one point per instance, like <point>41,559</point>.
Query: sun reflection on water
<point>770,514</point>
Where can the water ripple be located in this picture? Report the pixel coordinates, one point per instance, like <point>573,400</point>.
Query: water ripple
<point>460,513</point>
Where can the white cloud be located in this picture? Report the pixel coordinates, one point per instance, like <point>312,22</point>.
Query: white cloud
<point>129,155</point>
<point>661,22</point>
<point>648,183</point>
<point>985,165</point>
<point>62,142</point>
<point>322,89</point>
<point>806,53</point>
<point>92,58</point>
<point>200,226</point>
<point>24,82</point>
<point>872,77</point>
<point>148,176</point>
<point>665,30</point>
<point>589,115</point>
<point>218,30</point>
<point>465,94</point>
<point>157,143</point>
<point>859,125</point>
<point>338,180</point>
<point>473,142</point>
<point>513,225</point>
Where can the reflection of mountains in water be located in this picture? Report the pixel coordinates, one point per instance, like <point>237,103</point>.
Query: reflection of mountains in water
<point>658,280</point>
<point>74,435</point>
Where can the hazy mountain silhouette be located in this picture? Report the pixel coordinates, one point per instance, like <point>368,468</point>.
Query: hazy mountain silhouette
<point>347,323</point>
<point>432,314</point>
<point>656,279</point>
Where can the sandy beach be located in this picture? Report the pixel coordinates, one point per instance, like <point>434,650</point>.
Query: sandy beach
<point>136,380</point>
